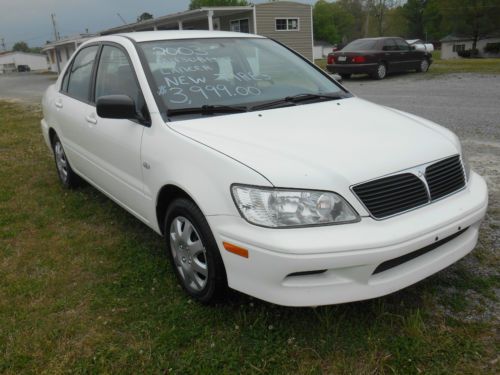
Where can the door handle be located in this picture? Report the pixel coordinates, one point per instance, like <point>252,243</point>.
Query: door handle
<point>58,103</point>
<point>91,119</point>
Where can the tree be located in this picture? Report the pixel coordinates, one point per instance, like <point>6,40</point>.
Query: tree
<point>195,4</point>
<point>472,18</point>
<point>144,16</point>
<point>323,22</point>
<point>413,12</point>
<point>21,47</point>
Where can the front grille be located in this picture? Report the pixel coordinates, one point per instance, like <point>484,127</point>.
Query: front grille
<point>388,196</point>
<point>391,195</point>
<point>445,177</point>
<point>415,254</point>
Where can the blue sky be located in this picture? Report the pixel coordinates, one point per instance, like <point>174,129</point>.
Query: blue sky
<point>29,20</point>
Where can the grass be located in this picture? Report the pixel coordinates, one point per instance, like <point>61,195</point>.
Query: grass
<point>439,66</point>
<point>86,288</point>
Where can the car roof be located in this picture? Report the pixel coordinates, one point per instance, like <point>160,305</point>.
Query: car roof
<point>145,36</point>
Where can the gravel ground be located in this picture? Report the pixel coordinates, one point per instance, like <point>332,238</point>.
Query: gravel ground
<point>26,87</point>
<point>468,104</point>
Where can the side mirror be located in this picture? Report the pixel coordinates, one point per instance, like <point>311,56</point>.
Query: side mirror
<point>117,107</point>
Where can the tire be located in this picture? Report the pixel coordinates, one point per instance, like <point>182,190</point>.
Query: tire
<point>424,66</point>
<point>68,178</point>
<point>345,75</point>
<point>194,253</point>
<point>380,72</point>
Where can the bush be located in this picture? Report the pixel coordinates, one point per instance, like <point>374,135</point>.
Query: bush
<point>468,53</point>
<point>492,48</point>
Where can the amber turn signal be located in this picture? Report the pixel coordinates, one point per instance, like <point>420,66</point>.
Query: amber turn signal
<point>236,249</point>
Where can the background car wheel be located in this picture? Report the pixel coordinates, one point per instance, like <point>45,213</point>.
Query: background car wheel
<point>345,75</point>
<point>194,253</point>
<point>69,179</point>
<point>424,66</point>
<point>381,71</point>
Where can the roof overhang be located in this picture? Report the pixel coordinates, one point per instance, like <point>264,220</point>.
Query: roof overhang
<point>174,18</point>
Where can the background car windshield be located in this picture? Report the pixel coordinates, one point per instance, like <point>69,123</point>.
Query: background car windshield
<point>229,71</point>
<point>361,45</point>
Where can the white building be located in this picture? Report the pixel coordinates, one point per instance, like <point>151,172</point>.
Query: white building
<point>451,45</point>
<point>60,51</point>
<point>9,61</point>
<point>322,49</point>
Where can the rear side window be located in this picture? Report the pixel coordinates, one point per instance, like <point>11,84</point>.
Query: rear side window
<point>115,75</point>
<point>390,45</point>
<point>81,73</point>
<point>361,45</point>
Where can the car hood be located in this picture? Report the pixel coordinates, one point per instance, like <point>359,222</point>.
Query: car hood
<point>322,145</point>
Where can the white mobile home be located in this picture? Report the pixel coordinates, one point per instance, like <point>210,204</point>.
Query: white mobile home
<point>9,61</point>
<point>452,45</point>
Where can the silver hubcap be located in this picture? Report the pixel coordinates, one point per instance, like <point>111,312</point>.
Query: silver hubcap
<point>381,71</point>
<point>190,256</point>
<point>424,65</point>
<point>61,162</point>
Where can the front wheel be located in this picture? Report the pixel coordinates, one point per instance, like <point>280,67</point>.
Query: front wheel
<point>423,67</point>
<point>381,71</point>
<point>194,252</point>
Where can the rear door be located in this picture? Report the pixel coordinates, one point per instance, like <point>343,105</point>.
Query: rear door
<point>72,103</point>
<point>390,54</point>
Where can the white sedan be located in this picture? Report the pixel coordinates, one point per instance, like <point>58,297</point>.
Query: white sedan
<point>261,172</point>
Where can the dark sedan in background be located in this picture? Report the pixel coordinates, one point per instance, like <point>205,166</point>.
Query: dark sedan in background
<point>377,57</point>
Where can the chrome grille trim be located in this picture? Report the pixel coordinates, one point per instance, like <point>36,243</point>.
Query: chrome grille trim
<point>420,172</point>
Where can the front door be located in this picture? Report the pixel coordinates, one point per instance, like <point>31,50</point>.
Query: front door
<point>115,144</point>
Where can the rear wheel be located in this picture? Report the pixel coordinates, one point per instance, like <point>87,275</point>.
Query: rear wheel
<point>345,75</point>
<point>424,66</point>
<point>68,178</point>
<point>380,72</point>
<point>194,252</point>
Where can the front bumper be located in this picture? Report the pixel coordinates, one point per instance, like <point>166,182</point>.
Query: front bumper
<point>352,68</point>
<point>349,253</point>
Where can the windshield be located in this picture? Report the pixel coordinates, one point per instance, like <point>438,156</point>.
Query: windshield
<point>361,45</point>
<point>229,72</point>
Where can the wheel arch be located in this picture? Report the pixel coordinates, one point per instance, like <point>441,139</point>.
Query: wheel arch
<point>166,195</point>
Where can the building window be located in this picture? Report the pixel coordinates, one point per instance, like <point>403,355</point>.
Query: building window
<point>458,47</point>
<point>240,26</point>
<point>287,24</point>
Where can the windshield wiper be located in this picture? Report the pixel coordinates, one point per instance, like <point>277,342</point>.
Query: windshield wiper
<point>293,99</point>
<point>207,110</point>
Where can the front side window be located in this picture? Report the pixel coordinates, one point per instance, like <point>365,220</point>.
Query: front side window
<point>115,76</point>
<point>287,24</point>
<point>80,73</point>
<point>240,26</point>
<point>402,45</point>
<point>229,71</point>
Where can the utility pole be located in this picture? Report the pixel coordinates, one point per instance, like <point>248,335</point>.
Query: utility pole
<point>124,22</point>
<point>54,25</point>
<point>56,38</point>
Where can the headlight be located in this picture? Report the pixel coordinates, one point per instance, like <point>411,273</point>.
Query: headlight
<point>278,208</point>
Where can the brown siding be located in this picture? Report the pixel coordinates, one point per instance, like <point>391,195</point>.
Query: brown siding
<point>300,41</point>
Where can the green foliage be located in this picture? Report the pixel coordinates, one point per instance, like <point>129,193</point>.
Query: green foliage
<point>195,4</point>
<point>334,22</point>
<point>144,16</point>
<point>21,47</point>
